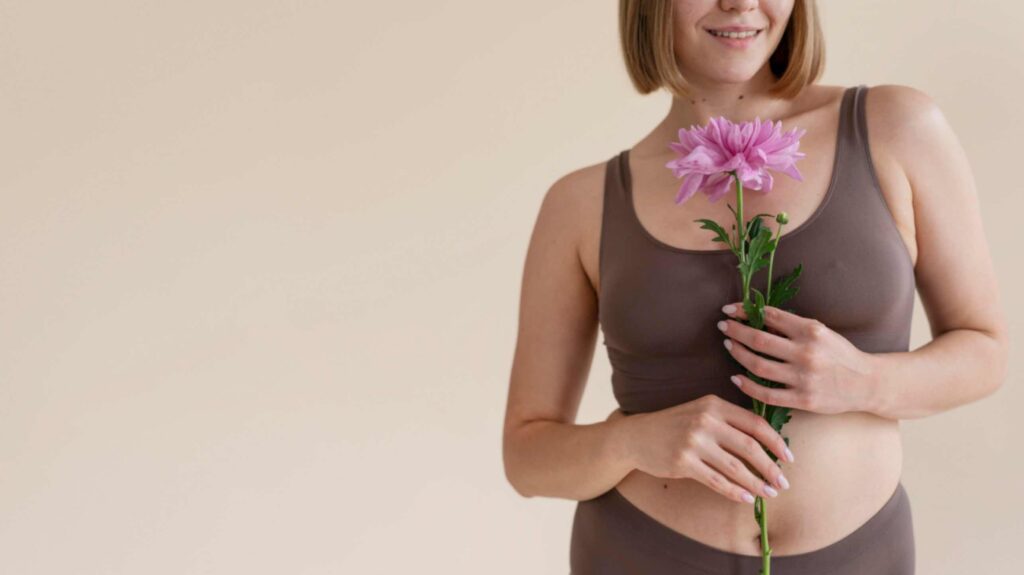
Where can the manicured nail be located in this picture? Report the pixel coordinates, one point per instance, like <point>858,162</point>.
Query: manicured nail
<point>771,492</point>
<point>727,343</point>
<point>783,482</point>
<point>747,497</point>
<point>736,379</point>
<point>722,325</point>
<point>729,309</point>
<point>789,455</point>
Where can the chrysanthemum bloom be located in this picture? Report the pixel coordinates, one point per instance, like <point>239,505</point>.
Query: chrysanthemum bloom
<point>709,153</point>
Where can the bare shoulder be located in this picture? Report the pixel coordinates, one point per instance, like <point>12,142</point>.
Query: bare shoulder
<point>573,192</point>
<point>897,112</point>
<point>573,204</point>
<point>903,122</point>
<point>955,275</point>
<point>909,126</point>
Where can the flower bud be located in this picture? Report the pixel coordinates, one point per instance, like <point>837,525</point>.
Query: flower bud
<point>782,218</point>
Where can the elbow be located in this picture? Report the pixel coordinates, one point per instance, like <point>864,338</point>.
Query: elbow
<point>511,475</point>
<point>518,486</point>
<point>1000,357</point>
<point>514,481</point>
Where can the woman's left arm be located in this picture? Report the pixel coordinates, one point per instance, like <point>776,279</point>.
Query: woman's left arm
<point>966,359</point>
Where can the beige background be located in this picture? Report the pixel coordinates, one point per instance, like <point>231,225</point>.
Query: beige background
<point>260,262</point>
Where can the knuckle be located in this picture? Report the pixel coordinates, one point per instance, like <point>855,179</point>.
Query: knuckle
<point>815,329</point>
<point>758,365</point>
<point>705,419</point>
<point>735,467</point>
<point>759,339</point>
<point>686,446</point>
<point>694,441</point>
<point>684,462</point>
<point>809,400</point>
<point>717,481</point>
<point>751,446</point>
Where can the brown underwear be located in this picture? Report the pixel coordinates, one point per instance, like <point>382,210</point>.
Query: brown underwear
<point>611,536</point>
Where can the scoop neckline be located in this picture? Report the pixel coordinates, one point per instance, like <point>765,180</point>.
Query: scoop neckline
<point>627,183</point>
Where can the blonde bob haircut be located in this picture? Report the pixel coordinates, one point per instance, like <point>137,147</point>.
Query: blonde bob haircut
<point>645,30</point>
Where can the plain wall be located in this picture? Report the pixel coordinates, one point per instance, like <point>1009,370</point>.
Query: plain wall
<point>260,266</point>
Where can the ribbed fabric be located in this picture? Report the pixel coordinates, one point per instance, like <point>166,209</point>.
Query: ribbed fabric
<point>658,308</point>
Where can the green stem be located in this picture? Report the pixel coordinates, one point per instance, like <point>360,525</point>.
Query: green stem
<point>766,556</point>
<point>759,406</point>
<point>741,229</point>
<point>771,261</point>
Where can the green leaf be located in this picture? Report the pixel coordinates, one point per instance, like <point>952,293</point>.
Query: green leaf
<point>782,289</point>
<point>758,252</point>
<point>761,262</point>
<point>754,227</point>
<point>790,277</point>
<point>777,416</point>
<point>721,234</point>
<point>758,315</point>
<point>750,308</point>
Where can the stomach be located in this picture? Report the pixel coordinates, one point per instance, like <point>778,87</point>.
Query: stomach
<point>847,466</point>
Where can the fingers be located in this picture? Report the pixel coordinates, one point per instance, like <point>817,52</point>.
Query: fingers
<point>785,322</point>
<point>781,396</point>
<point>718,482</point>
<point>747,450</point>
<point>759,365</point>
<point>760,340</point>
<point>737,472</point>
<point>756,427</point>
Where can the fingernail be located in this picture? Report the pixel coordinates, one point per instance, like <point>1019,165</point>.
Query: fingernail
<point>771,492</point>
<point>747,497</point>
<point>722,325</point>
<point>736,379</point>
<point>789,455</point>
<point>729,308</point>
<point>727,344</point>
<point>783,482</point>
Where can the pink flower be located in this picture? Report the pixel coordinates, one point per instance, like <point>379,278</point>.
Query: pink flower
<point>709,153</point>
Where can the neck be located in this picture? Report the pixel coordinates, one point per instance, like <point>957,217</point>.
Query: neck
<point>736,101</point>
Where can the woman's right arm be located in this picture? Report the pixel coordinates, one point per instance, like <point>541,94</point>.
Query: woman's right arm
<point>545,452</point>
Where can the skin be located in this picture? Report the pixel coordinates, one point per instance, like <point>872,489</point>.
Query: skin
<point>687,466</point>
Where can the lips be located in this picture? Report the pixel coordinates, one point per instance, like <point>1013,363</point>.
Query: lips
<point>734,29</point>
<point>710,30</point>
<point>755,35</point>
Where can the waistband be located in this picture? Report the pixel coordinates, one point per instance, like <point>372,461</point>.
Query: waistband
<point>689,551</point>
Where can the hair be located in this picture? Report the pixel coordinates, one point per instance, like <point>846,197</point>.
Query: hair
<point>645,31</point>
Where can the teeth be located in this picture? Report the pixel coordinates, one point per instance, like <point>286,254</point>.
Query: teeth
<point>734,34</point>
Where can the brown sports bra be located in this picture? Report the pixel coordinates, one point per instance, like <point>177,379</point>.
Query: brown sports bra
<point>659,303</point>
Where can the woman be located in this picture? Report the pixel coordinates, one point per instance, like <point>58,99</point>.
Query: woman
<point>664,485</point>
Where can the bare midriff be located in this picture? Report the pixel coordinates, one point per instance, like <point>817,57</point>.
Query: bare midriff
<point>847,466</point>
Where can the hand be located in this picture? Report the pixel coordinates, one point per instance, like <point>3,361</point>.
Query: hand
<point>823,372</point>
<point>704,439</point>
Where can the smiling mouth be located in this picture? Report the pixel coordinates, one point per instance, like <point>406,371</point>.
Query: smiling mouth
<point>745,36</point>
